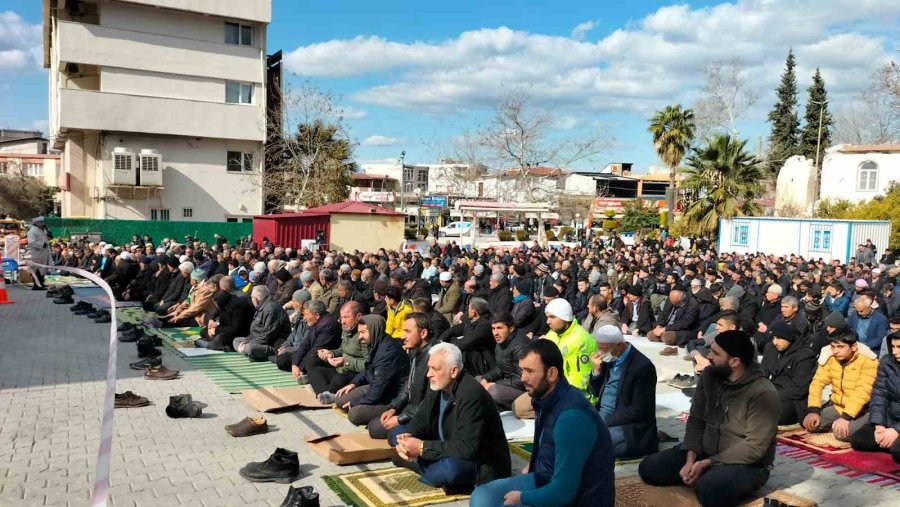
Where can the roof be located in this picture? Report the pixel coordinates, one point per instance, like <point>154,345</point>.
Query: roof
<point>539,171</point>
<point>870,148</point>
<point>345,208</point>
<point>21,139</point>
<point>370,176</point>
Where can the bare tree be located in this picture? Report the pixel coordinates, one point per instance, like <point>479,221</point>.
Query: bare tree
<point>874,118</point>
<point>21,195</point>
<point>462,163</point>
<point>725,99</point>
<point>310,162</point>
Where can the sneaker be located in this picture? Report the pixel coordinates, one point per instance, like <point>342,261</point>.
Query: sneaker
<point>143,364</point>
<point>669,351</point>
<point>130,400</point>
<point>183,405</point>
<point>282,467</point>
<point>248,426</point>
<point>131,336</point>
<point>64,300</point>
<point>160,373</point>
<point>301,497</point>
<point>303,380</point>
<point>326,398</point>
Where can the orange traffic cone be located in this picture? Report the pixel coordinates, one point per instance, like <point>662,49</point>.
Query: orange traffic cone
<point>4,300</point>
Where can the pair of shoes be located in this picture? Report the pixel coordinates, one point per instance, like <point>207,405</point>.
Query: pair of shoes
<point>183,405</point>
<point>669,351</point>
<point>151,339</point>
<point>150,362</point>
<point>326,398</point>
<point>282,467</point>
<point>35,287</point>
<point>80,306</point>
<point>132,335</point>
<point>87,309</point>
<point>130,400</point>
<point>125,326</point>
<point>683,381</point>
<point>145,349</point>
<point>301,497</point>
<point>248,426</point>
<point>160,373</point>
<point>64,300</point>
<point>303,380</point>
<point>104,318</point>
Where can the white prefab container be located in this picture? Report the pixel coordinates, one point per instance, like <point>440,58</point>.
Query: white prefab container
<point>811,238</point>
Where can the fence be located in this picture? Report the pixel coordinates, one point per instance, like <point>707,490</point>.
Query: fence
<point>120,231</point>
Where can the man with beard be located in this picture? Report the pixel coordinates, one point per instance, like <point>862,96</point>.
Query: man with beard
<point>572,461</point>
<point>790,365</point>
<point>729,442</point>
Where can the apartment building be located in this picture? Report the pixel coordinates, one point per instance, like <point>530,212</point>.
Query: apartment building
<point>158,106</point>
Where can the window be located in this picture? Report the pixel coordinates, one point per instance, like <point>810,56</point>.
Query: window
<point>820,238</point>
<point>868,177</point>
<point>36,170</point>
<point>187,212</point>
<point>234,220</point>
<point>740,234</point>
<point>159,214</point>
<point>4,167</point>
<point>231,220</point>
<point>238,34</point>
<point>247,220</point>
<point>238,93</point>
<point>122,161</point>
<point>239,162</point>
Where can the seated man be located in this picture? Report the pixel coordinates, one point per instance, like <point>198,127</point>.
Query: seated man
<point>235,314</point>
<point>677,323</point>
<point>386,368</point>
<point>456,438</point>
<point>882,434</point>
<point>724,457</point>
<point>790,364</point>
<point>177,290</point>
<point>850,373</point>
<point>698,350</point>
<point>572,462</point>
<point>417,341</point>
<point>624,382</point>
<point>324,333</point>
<point>198,306</point>
<point>504,381</point>
<point>299,329</point>
<point>344,362</point>
<point>473,337</point>
<point>270,324</point>
<point>637,315</point>
<point>437,324</point>
<point>599,314</point>
<point>871,325</point>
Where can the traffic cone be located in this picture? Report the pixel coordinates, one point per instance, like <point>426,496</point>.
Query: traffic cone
<point>4,300</point>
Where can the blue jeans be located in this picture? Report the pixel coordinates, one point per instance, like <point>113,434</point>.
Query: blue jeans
<point>455,473</point>
<point>491,494</point>
<point>619,447</point>
<point>201,343</point>
<point>392,436</point>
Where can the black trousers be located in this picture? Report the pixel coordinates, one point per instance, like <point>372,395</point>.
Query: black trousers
<point>327,378</point>
<point>720,485</point>
<point>792,411</point>
<point>864,440</point>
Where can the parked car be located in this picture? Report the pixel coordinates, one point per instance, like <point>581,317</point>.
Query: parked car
<point>456,229</point>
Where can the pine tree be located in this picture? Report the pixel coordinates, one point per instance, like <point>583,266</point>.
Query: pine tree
<point>784,141</point>
<point>816,103</point>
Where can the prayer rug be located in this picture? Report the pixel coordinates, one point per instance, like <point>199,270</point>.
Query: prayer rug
<point>877,478</point>
<point>133,315</point>
<point>179,337</point>
<point>879,463</point>
<point>819,443</point>
<point>72,281</point>
<point>524,450</point>
<point>388,487</point>
<point>234,373</point>
<point>98,298</point>
<point>632,492</point>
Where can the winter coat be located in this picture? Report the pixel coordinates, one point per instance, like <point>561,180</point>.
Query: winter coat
<point>234,321</point>
<point>877,330</point>
<point>884,407</point>
<point>734,423</point>
<point>386,367</point>
<point>687,319</point>
<point>577,346</point>
<point>448,298</point>
<point>851,383</point>
<point>353,351</point>
<point>407,402</point>
<point>270,323</point>
<point>790,371</point>
<point>635,411</point>
<point>395,318</point>
<point>506,369</point>
<point>39,244</point>
<point>798,323</point>
<point>607,317</point>
<point>708,306</point>
<point>645,321</point>
<point>499,299</point>
<point>201,301</point>
<point>476,342</point>
<point>178,289</point>
<point>325,334</point>
<point>472,429</point>
<point>523,314</point>
<point>437,325</point>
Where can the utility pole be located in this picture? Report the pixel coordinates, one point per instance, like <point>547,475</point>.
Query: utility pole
<point>402,185</point>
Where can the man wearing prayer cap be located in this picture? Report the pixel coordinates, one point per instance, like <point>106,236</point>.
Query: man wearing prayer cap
<point>39,237</point>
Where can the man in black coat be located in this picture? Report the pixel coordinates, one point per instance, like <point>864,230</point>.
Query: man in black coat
<point>437,324</point>
<point>473,336</point>
<point>235,314</point>
<point>456,436</point>
<point>499,296</point>
<point>637,314</point>
<point>677,323</point>
<point>624,382</point>
<point>790,364</point>
<point>504,381</point>
<point>324,333</point>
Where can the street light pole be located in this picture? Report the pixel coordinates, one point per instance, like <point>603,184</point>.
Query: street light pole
<point>402,185</point>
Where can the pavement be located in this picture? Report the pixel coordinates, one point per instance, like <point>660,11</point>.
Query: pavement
<point>52,374</point>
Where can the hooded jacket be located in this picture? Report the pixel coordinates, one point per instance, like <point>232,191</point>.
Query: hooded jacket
<point>851,383</point>
<point>790,371</point>
<point>386,368</point>
<point>884,408</point>
<point>734,423</point>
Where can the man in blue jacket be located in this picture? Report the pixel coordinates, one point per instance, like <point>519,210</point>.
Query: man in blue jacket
<point>869,325</point>
<point>572,463</point>
<point>882,433</point>
<point>836,298</point>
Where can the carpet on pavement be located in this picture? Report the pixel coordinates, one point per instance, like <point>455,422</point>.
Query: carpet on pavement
<point>632,492</point>
<point>388,487</point>
<point>819,443</point>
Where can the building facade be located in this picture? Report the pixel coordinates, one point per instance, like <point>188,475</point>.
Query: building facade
<point>159,107</point>
<point>859,172</point>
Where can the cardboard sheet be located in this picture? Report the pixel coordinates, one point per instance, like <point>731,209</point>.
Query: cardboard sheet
<point>196,352</point>
<point>268,399</point>
<point>515,428</point>
<point>351,448</point>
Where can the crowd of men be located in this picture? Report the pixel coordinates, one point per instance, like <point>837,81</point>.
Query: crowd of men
<point>425,348</point>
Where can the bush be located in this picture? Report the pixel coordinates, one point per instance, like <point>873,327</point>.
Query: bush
<point>424,232</point>
<point>521,235</point>
<point>505,236</point>
<point>409,233</point>
<point>609,225</point>
<point>565,231</point>
<point>551,236</point>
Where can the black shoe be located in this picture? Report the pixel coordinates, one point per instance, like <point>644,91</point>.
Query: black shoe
<point>282,467</point>
<point>183,406</point>
<point>131,336</point>
<point>35,287</point>
<point>52,293</point>
<point>301,497</point>
<point>84,311</point>
<point>143,364</point>
<point>145,350</point>
<point>125,326</point>
<point>150,339</point>
<point>95,314</point>
<point>64,300</point>
<point>104,318</point>
<point>81,305</point>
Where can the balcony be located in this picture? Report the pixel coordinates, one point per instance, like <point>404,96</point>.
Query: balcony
<point>93,110</point>
<point>251,10</point>
<point>113,47</point>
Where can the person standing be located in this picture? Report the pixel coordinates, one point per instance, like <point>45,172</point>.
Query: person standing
<point>39,242</point>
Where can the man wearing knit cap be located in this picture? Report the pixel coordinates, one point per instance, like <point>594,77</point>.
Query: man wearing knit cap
<point>575,343</point>
<point>729,441</point>
<point>790,364</point>
<point>624,382</point>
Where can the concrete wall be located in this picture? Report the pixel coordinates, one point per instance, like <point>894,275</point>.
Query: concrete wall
<point>365,232</point>
<point>79,159</point>
<point>795,187</point>
<point>840,173</point>
<point>254,10</point>
<point>33,146</point>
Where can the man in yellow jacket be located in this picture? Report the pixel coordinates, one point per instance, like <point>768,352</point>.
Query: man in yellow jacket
<point>850,371</point>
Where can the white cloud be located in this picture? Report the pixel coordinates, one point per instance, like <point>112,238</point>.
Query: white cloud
<point>582,29</point>
<point>352,113</point>
<point>20,43</point>
<point>42,125</point>
<point>382,141</point>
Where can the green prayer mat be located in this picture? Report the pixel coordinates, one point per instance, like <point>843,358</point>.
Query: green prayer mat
<point>234,373</point>
<point>524,450</point>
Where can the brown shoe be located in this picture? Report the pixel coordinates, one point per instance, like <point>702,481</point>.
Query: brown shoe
<point>130,400</point>
<point>669,351</point>
<point>160,373</point>
<point>248,427</point>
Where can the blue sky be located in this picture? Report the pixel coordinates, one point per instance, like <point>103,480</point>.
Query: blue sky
<point>412,75</point>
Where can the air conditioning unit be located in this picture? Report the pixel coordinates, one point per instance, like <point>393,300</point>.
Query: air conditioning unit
<point>123,170</point>
<point>151,168</point>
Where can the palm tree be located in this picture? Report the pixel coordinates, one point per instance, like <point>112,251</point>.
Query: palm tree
<point>672,129</point>
<point>726,179</point>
